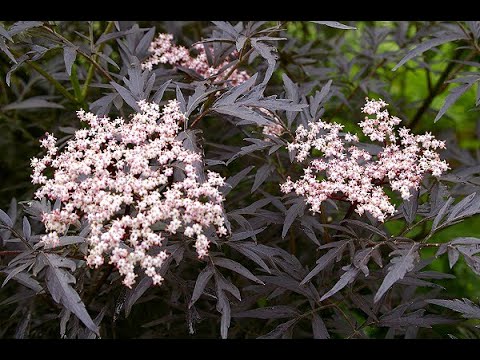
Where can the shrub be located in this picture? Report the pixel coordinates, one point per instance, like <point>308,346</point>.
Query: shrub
<point>220,180</point>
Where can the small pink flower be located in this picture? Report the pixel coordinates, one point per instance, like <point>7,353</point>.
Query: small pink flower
<point>163,51</point>
<point>352,174</point>
<point>119,176</point>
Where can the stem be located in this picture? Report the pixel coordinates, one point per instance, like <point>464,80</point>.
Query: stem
<point>323,218</point>
<point>241,60</point>
<point>350,210</point>
<point>99,284</point>
<point>91,69</point>
<point>292,244</point>
<point>10,252</point>
<point>440,86</point>
<point>15,232</point>
<point>50,79</point>
<point>89,58</point>
<point>370,74</point>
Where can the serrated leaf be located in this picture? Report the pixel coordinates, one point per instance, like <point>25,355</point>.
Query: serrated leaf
<point>347,277</point>
<point>240,42</point>
<point>229,97</point>
<point>416,319</point>
<point>13,272</point>
<point>223,307</point>
<point>269,312</point>
<point>452,97</point>
<point>399,266</point>
<point>318,98</point>
<point>226,285</point>
<point>238,268</point>
<point>466,205</point>
<point>134,294</point>
<point>234,180</point>
<point>361,303</point>
<point>325,260</point>
<point>269,53</point>
<point>5,33</point>
<point>372,228</point>
<point>161,90</point>
<point>249,254</point>
<point>242,235</point>
<point>21,26</point>
<point>202,279</point>
<point>4,48</point>
<point>262,175</point>
<point>427,45</point>
<point>32,103</point>
<point>361,259</point>
<point>126,95</point>
<point>335,24</point>
<point>4,218</point>
<point>26,280</point>
<point>467,308</point>
<point>58,283</point>
<point>318,327</point>
<point>410,207</point>
<point>473,263</point>
<point>441,214</point>
<point>279,330</point>
<point>145,42</point>
<point>453,256</point>
<point>26,228</point>
<point>69,55</point>
<point>292,213</point>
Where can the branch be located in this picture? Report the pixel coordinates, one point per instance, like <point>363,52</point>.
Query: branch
<point>49,78</point>
<point>91,69</point>
<point>439,87</point>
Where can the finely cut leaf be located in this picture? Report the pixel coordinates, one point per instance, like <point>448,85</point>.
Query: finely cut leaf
<point>427,45</point>
<point>279,330</point>
<point>441,214</point>
<point>58,283</point>
<point>32,103</point>
<point>319,329</point>
<point>400,266</point>
<point>269,312</point>
<point>466,307</point>
<point>325,260</point>
<point>292,213</point>
<point>200,284</point>
<point>238,268</point>
<point>451,98</point>
<point>335,24</point>
<point>26,228</point>
<point>262,175</point>
<point>135,294</point>
<point>69,55</point>
<point>4,218</point>
<point>347,277</point>
<point>126,95</point>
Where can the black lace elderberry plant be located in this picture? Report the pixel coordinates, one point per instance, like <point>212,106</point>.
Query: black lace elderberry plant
<point>265,205</point>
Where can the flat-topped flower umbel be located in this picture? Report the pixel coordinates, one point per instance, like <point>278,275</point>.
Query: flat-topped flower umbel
<point>352,174</point>
<point>119,175</point>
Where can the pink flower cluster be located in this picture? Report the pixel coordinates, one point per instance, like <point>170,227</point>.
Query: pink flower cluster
<point>273,130</point>
<point>346,172</point>
<point>165,52</point>
<point>119,175</point>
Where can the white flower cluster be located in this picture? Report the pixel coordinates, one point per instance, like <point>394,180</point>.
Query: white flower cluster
<point>346,172</point>
<point>119,175</point>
